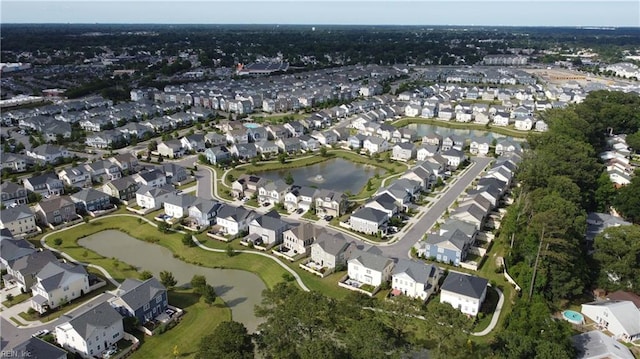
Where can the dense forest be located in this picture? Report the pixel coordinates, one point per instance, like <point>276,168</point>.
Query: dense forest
<point>561,180</point>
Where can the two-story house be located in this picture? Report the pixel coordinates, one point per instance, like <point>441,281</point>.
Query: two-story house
<point>330,203</point>
<point>12,194</point>
<point>148,197</point>
<point>204,211</point>
<point>234,220</point>
<point>414,279</point>
<point>76,176</point>
<point>143,300</point>
<point>55,211</point>
<point>465,293</point>
<point>171,149</point>
<point>58,283</point>
<point>331,251</point>
<point>173,173</point>
<point>46,185</point>
<point>92,332</point>
<point>153,178</point>
<point>48,154</point>
<point>368,220</point>
<point>375,144</point>
<point>18,219</point>
<point>91,200</point>
<point>23,270</point>
<point>404,151</point>
<point>273,192</point>
<point>269,227</point>
<point>177,206</point>
<point>299,239</point>
<point>369,268</point>
<point>124,189</point>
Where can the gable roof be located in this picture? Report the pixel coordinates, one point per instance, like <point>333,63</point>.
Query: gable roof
<point>100,316</point>
<point>18,212</point>
<point>595,344</point>
<point>88,195</point>
<point>54,274</point>
<point>624,311</point>
<point>12,249</point>
<point>36,348</point>
<point>33,262</point>
<point>370,260</point>
<point>135,293</point>
<point>332,244</point>
<point>467,285</point>
<point>417,271</point>
<point>55,203</point>
<point>370,214</point>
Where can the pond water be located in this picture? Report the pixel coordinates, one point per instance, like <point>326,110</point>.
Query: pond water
<point>241,290</point>
<point>335,174</point>
<point>424,129</point>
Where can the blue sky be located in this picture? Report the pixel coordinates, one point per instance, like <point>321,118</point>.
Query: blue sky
<point>377,12</point>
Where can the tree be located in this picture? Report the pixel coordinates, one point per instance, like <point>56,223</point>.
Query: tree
<point>282,158</point>
<point>187,240</point>
<point>288,178</point>
<point>57,242</point>
<point>633,140</point>
<point>230,340</point>
<point>10,297</point>
<point>605,193</point>
<point>202,158</point>
<point>323,151</point>
<point>152,146</point>
<point>209,294</point>
<point>146,275</point>
<point>163,227</point>
<point>167,279</point>
<point>617,250</point>
<point>229,250</point>
<point>627,201</point>
<point>198,283</point>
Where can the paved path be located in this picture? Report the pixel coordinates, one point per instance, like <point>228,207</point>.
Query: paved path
<point>496,316</point>
<point>402,247</point>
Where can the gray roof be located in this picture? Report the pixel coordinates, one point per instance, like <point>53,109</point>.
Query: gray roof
<point>236,213</point>
<point>332,244</point>
<point>625,312</point>
<point>155,191</point>
<point>53,274</point>
<point>370,214</point>
<point>55,203</point>
<point>596,345</point>
<point>385,201</point>
<point>12,249</point>
<point>370,260</point>
<point>99,317</point>
<point>43,179</point>
<point>123,183</point>
<point>47,149</point>
<point>418,271</point>
<point>151,175</point>
<point>10,187</point>
<point>270,221</point>
<point>36,348</point>
<point>453,240</point>
<point>33,263</point>
<point>467,285</point>
<point>184,200</point>
<point>88,195</point>
<point>135,293</point>
<point>452,224</point>
<point>18,212</point>
<point>206,205</point>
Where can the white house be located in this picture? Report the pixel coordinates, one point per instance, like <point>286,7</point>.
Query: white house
<point>414,279</point>
<point>369,268</point>
<point>368,220</point>
<point>330,251</point>
<point>58,283</point>
<point>18,220</point>
<point>620,317</point>
<point>299,239</point>
<point>375,144</point>
<point>150,197</point>
<point>233,220</point>
<point>177,206</point>
<point>524,124</point>
<point>91,333</point>
<point>464,292</point>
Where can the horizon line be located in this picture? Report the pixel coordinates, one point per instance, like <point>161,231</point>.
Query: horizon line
<point>588,27</point>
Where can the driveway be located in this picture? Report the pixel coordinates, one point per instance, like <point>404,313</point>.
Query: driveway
<point>401,248</point>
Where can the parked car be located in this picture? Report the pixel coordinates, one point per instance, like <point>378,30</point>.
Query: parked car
<point>40,333</point>
<point>299,210</point>
<point>266,204</point>
<point>328,218</point>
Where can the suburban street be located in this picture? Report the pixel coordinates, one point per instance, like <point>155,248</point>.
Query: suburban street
<point>401,248</point>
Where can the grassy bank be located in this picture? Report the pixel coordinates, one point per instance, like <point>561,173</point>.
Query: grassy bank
<point>507,131</point>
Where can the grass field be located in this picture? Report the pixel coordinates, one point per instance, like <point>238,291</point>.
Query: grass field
<point>200,319</point>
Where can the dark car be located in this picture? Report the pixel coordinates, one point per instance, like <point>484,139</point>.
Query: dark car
<point>328,218</point>
<point>299,210</point>
<point>266,204</point>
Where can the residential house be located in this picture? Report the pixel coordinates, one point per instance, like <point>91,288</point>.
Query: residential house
<point>356,141</point>
<point>103,171</point>
<point>425,151</point>
<point>597,345</point>
<point>46,185</point>
<point>174,173</point>
<point>541,126</point>
<point>369,268</point>
<point>247,186</point>
<point>523,123</point>
<point>331,203</point>
<point>148,197</point>
<point>266,148</point>
<point>501,119</point>
<point>368,220</point>
<point>447,247</point>
<point>464,292</point>
<point>506,146</point>
<point>13,162</point>
<point>91,200</point>
<point>238,135</point>
<point>471,213</point>
<point>18,220</point>
<point>243,151</point>
<point>299,239</point>
<point>375,144</point>
<point>422,175</point>
<point>36,348</point>
<point>288,145</point>
<point>58,283</point>
<point>12,248</point>
<point>177,206</point>
<point>12,194</point>
<point>48,154</point>
<point>385,203</point>
<point>234,220</point>
<point>76,176</point>
<point>479,146</point>
<point>432,139</point>
<point>620,318</point>
<point>481,118</point>
<point>295,128</point>
<point>215,139</point>
<point>194,143</point>
<point>124,188</point>
<point>404,134</point>
<point>171,149</point>
<point>126,162</point>
<point>204,211</point>
<point>404,151</point>
<point>217,155</point>
<point>326,138</point>
<point>308,143</point>
<point>453,141</point>
<point>299,198</point>
<point>277,131</point>
<point>55,211</point>
<point>331,251</point>
<point>22,271</point>
<point>414,279</point>
<point>454,157</point>
<point>269,227</point>
<point>92,332</point>
<point>104,139</point>
<point>143,300</point>
<point>154,178</point>
<point>273,192</point>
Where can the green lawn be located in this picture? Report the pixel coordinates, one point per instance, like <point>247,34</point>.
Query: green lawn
<point>17,299</point>
<point>469,126</point>
<point>199,320</point>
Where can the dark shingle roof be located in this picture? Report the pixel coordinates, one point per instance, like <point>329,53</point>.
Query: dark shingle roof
<point>467,285</point>
<point>35,348</point>
<point>100,316</point>
<point>136,293</point>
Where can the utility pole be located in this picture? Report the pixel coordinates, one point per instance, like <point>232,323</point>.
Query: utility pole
<point>535,266</point>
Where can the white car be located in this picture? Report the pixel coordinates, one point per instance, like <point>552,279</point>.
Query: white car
<point>40,333</point>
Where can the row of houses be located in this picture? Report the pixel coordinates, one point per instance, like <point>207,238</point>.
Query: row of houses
<point>619,167</point>
<point>451,241</point>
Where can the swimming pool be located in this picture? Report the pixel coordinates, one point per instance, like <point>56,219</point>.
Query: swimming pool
<point>251,125</point>
<point>573,317</point>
